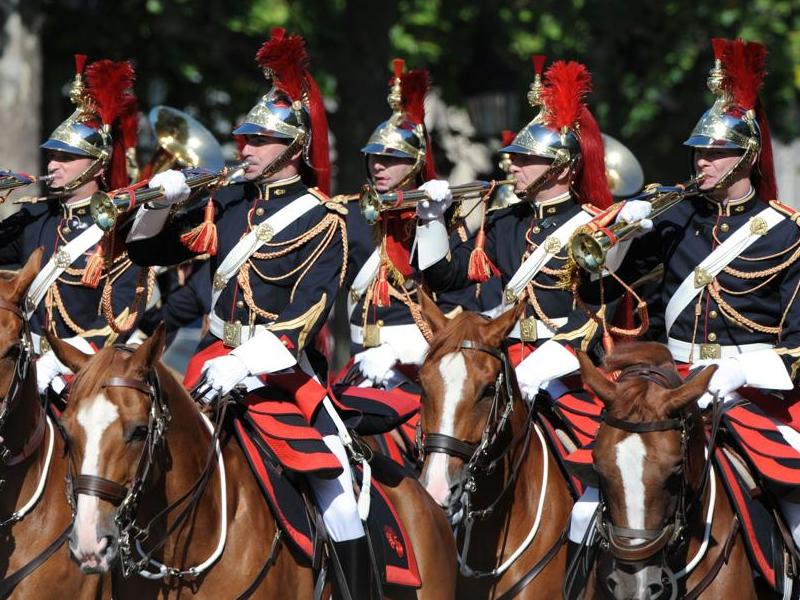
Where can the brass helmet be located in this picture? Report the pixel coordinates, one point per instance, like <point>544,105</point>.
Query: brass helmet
<point>563,131</point>
<point>737,119</point>
<point>404,134</point>
<point>105,122</point>
<point>292,109</point>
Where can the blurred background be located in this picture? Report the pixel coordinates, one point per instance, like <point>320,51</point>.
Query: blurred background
<point>649,61</point>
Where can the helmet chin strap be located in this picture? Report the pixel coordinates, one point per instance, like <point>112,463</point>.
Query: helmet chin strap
<point>731,174</point>
<point>283,159</point>
<point>85,176</point>
<point>416,168</point>
<point>561,161</point>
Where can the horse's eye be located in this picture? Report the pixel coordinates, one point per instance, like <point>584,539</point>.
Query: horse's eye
<point>139,434</point>
<point>489,391</point>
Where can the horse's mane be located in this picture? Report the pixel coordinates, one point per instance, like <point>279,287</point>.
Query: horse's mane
<point>464,326</point>
<point>91,380</point>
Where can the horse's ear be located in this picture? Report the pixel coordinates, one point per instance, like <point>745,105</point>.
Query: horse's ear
<point>26,274</point>
<point>605,389</point>
<point>500,327</point>
<point>68,354</point>
<point>150,350</point>
<point>690,391</point>
<point>432,313</point>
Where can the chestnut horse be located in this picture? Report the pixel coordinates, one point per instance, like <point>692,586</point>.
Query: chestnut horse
<point>141,448</point>
<point>34,513</point>
<point>666,525</point>
<point>487,463</point>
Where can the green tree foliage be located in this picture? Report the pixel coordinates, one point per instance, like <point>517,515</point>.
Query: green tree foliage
<point>649,59</point>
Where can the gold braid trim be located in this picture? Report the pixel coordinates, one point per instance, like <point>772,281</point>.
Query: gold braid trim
<point>537,308</point>
<point>764,272</point>
<point>735,315</point>
<point>306,321</point>
<point>243,278</point>
<point>144,287</point>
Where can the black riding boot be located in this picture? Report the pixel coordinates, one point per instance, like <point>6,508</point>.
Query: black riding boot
<point>355,561</point>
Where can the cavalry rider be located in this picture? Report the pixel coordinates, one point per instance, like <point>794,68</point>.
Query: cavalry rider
<point>731,258</point>
<point>557,161</point>
<point>282,248</point>
<point>386,329</point>
<point>82,294</point>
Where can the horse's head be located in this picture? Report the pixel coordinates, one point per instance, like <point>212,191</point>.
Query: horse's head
<point>114,420</point>
<point>12,322</point>
<point>458,379</point>
<point>649,458</point>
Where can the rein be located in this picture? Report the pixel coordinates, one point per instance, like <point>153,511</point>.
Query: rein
<point>133,558</point>
<point>482,459</point>
<point>615,539</point>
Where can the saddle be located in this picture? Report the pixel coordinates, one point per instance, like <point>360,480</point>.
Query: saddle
<point>286,496</point>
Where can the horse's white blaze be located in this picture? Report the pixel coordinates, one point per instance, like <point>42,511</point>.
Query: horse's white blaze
<point>631,453</point>
<point>95,418</point>
<point>453,370</point>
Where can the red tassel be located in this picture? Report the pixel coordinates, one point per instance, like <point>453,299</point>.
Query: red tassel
<point>80,63</point>
<point>94,268</point>
<point>203,238</point>
<point>481,269</point>
<point>380,296</point>
<point>399,66</point>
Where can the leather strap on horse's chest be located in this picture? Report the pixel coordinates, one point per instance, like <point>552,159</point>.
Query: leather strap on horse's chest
<point>61,260</point>
<point>257,237</point>
<point>8,584</point>
<point>721,257</point>
<point>722,558</point>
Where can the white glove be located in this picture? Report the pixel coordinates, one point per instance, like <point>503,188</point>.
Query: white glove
<point>636,210</point>
<point>728,378</point>
<point>49,373</point>
<point>222,375</point>
<point>376,363</point>
<point>529,384</point>
<point>173,183</point>
<point>438,190</point>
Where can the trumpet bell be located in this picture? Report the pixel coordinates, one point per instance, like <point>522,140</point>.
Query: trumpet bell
<point>185,140</point>
<point>624,172</point>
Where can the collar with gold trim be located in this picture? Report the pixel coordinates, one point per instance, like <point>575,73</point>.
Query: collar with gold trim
<point>553,206</point>
<point>736,206</point>
<point>78,209</point>
<point>277,189</point>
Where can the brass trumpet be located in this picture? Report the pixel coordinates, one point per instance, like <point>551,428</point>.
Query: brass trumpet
<point>107,207</point>
<point>589,248</point>
<point>373,204</point>
<point>11,180</point>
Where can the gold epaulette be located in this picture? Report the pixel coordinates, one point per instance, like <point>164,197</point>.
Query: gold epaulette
<point>788,211</point>
<point>336,204</point>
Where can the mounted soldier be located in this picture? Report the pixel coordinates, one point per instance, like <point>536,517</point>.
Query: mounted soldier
<point>279,248</point>
<point>82,294</point>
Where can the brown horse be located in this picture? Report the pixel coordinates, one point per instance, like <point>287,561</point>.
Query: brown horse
<point>658,490</point>
<point>140,444</point>
<point>33,510</point>
<point>487,463</point>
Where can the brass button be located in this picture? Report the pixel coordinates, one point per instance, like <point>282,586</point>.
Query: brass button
<point>724,227</point>
<point>260,212</point>
<point>240,304</point>
<point>551,210</point>
<point>65,229</point>
<point>739,209</point>
<point>712,337</point>
<point>380,322</point>
<point>536,229</point>
<point>279,191</point>
<point>713,314</point>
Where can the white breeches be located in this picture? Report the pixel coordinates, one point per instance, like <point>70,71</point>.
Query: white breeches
<point>582,514</point>
<point>336,499</point>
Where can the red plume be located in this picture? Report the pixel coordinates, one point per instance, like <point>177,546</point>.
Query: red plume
<point>110,84</point>
<point>764,175</point>
<point>399,65</point>
<point>744,64</point>
<point>718,46</point>
<point>566,85</point>
<point>507,136</point>
<point>538,63</point>
<point>285,56</point>
<point>80,63</point>
<point>592,184</point>
<point>414,86</point>
<point>319,154</point>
